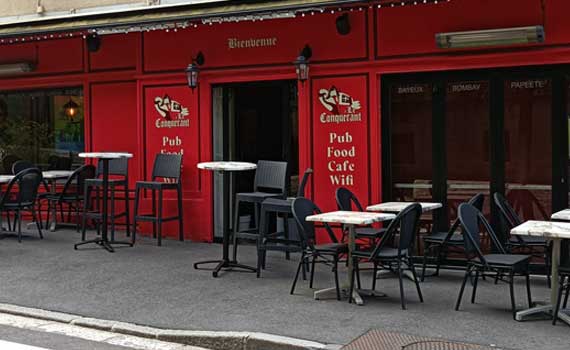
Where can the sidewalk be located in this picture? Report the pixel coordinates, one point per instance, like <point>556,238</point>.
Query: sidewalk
<point>157,286</point>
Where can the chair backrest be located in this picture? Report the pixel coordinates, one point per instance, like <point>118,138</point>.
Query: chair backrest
<point>167,166</point>
<point>304,181</point>
<point>477,201</point>
<point>472,220</point>
<point>345,200</point>
<point>117,166</point>
<point>303,207</point>
<point>509,217</point>
<point>406,223</point>
<point>75,183</point>
<point>26,191</point>
<point>8,161</point>
<point>21,165</point>
<point>271,175</point>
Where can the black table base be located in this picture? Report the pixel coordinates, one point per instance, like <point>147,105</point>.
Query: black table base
<point>105,244</point>
<point>224,264</point>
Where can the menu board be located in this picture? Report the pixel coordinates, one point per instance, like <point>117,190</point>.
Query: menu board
<point>171,123</point>
<point>340,138</point>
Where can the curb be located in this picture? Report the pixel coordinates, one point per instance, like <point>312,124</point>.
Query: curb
<point>215,340</point>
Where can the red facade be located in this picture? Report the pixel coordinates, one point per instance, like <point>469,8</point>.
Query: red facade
<point>127,81</point>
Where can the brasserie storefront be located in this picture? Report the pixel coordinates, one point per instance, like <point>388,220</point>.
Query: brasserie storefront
<point>396,100</point>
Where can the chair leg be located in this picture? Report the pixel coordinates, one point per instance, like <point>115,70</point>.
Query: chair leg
<point>38,225</point>
<point>358,282</point>
<point>512,292</point>
<point>528,295</point>
<point>136,213</point>
<point>313,262</point>
<point>413,269</point>
<point>301,263</point>
<point>18,219</point>
<point>335,270</point>
<point>424,263</point>
<point>286,233</point>
<point>402,300</point>
<point>567,294</point>
<point>85,207</point>
<point>127,209</point>
<point>558,301</point>
<point>352,277</point>
<point>375,273</point>
<point>260,253</point>
<point>154,213</point>
<point>180,215</point>
<point>159,219</point>
<point>465,278</point>
<point>112,215</point>
<point>474,292</point>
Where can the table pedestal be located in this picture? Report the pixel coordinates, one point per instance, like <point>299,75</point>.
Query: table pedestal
<point>554,285</point>
<point>104,241</point>
<point>225,262</point>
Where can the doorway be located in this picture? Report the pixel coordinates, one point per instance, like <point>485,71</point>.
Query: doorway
<point>450,135</point>
<point>253,121</point>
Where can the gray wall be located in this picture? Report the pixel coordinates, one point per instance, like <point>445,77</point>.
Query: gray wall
<point>28,7</point>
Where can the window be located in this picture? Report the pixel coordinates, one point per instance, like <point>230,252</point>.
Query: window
<point>41,126</point>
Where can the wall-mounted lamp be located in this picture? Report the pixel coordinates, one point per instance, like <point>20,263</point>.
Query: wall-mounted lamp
<point>193,70</point>
<point>70,109</point>
<point>16,68</point>
<point>302,63</point>
<point>490,37</point>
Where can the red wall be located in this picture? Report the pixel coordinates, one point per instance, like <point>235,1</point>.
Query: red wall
<point>116,79</point>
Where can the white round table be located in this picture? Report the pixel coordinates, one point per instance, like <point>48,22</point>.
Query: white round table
<point>228,170</point>
<point>105,157</point>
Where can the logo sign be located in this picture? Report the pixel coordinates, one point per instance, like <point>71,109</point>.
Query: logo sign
<point>173,114</point>
<point>341,106</point>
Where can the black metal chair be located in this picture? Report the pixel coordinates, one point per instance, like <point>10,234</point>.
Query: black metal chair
<point>21,195</point>
<point>511,219</point>
<point>492,265</point>
<point>278,241</point>
<point>440,241</point>
<point>72,194</point>
<point>406,224</point>
<point>564,283</point>
<point>346,200</point>
<point>270,181</point>
<point>119,179</point>
<point>168,168</point>
<point>313,253</point>
<point>21,165</point>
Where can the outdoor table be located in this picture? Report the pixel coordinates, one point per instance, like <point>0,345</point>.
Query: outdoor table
<point>105,157</point>
<point>556,232</point>
<point>350,219</point>
<point>228,170</point>
<point>563,215</point>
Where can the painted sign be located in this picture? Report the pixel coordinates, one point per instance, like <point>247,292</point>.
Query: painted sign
<point>172,128</point>
<point>340,134</point>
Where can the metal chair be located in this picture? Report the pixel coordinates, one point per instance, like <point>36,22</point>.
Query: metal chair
<point>278,241</point>
<point>347,201</point>
<point>119,171</point>
<point>451,238</point>
<point>21,165</point>
<point>492,265</point>
<point>564,283</point>
<point>21,195</point>
<point>72,193</point>
<point>313,253</point>
<point>406,224</point>
<point>168,168</point>
<point>270,181</point>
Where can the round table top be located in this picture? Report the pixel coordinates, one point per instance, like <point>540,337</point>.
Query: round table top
<point>105,155</point>
<point>227,166</point>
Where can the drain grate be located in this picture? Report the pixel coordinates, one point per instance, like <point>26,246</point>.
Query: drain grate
<point>379,340</point>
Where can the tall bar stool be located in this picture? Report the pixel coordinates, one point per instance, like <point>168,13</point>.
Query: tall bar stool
<point>166,167</point>
<point>119,173</point>
<point>270,182</point>
<point>278,240</point>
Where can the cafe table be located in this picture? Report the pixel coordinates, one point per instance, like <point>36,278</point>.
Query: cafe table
<point>555,232</point>
<point>227,169</point>
<point>349,219</point>
<point>104,241</point>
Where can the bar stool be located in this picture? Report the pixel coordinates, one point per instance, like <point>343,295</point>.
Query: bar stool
<point>166,167</point>
<point>272,241</point>
<point>119,170</point>
<point>269,176</point>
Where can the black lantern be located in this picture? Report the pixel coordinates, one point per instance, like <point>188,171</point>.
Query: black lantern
<point>302,63</point>
<point>70,109</point>
<point>193,70</point>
